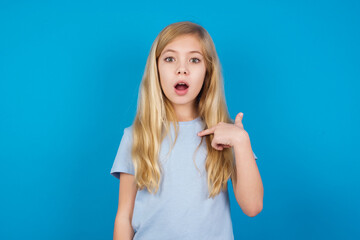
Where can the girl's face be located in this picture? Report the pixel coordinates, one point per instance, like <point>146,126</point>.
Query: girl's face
<point>182,61</point>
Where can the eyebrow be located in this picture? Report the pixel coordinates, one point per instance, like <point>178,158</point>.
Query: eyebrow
<point>171,50</point>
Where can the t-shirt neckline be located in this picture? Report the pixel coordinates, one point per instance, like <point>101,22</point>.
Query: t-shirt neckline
<point>190,122</point>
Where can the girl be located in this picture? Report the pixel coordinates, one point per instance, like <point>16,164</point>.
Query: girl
<point>182,115</point>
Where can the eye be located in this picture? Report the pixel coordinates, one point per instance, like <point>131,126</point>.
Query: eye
<point>168,58</point>
<point>198,60</point>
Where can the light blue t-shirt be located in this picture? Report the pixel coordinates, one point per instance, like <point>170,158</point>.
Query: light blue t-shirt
<point>181,208</point>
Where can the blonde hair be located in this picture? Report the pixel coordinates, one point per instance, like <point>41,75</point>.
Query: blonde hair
<point>155,112</point>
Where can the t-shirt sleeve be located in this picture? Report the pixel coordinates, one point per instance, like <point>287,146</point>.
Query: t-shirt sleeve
<point>123,161</point>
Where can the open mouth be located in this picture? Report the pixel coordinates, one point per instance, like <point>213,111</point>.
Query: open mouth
<point>181,86</point>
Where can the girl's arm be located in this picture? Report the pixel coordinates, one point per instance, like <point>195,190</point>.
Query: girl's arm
<point>123,229</point>
<point>127,192</point>
<point>248,189</point>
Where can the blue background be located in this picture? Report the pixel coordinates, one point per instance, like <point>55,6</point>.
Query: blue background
<point>69,78</point>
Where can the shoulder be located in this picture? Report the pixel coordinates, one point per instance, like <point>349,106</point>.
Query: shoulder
<point>128,131</point>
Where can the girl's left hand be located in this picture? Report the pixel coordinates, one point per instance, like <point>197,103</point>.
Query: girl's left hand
<point>226,134</point>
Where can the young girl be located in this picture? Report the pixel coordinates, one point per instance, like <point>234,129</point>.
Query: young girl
<point>174,161</point>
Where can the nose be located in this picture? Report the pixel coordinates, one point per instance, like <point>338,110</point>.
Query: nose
<point>182,69</point>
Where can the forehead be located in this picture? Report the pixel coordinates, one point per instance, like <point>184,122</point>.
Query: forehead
<point>184,43</point>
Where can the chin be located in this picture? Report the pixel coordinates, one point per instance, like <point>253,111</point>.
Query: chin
<point>182,101</point>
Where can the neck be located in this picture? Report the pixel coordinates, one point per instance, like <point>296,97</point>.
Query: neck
<point>185,112</point>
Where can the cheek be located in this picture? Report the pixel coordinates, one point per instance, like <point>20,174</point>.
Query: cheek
<point>163,70</point>
<point>164,79</point>
<point>200,76</point>
<point>200,70</point>
<point>162,75</point>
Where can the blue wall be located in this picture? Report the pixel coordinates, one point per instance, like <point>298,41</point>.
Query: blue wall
<point>69,78</point>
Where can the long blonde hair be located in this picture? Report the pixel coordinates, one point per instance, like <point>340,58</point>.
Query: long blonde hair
<point>155,112</point>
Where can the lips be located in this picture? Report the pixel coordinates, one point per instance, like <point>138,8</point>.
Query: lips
<point>182,81</point>
<point>181,89</point>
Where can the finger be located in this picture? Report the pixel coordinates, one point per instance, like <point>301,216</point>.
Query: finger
<point>206,131</point>
<point>238,119</point>
<point>216,146</point>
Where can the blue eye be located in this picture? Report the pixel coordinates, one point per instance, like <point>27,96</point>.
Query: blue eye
<point>198,60</point>
<point>167,58</point>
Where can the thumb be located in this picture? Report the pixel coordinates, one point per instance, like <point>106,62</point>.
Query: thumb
<point>238,119</point>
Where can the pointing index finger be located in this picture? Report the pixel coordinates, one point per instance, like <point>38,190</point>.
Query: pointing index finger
<point>206,131</point>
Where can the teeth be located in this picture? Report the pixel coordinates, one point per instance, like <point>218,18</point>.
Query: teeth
<point>181,83</point>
